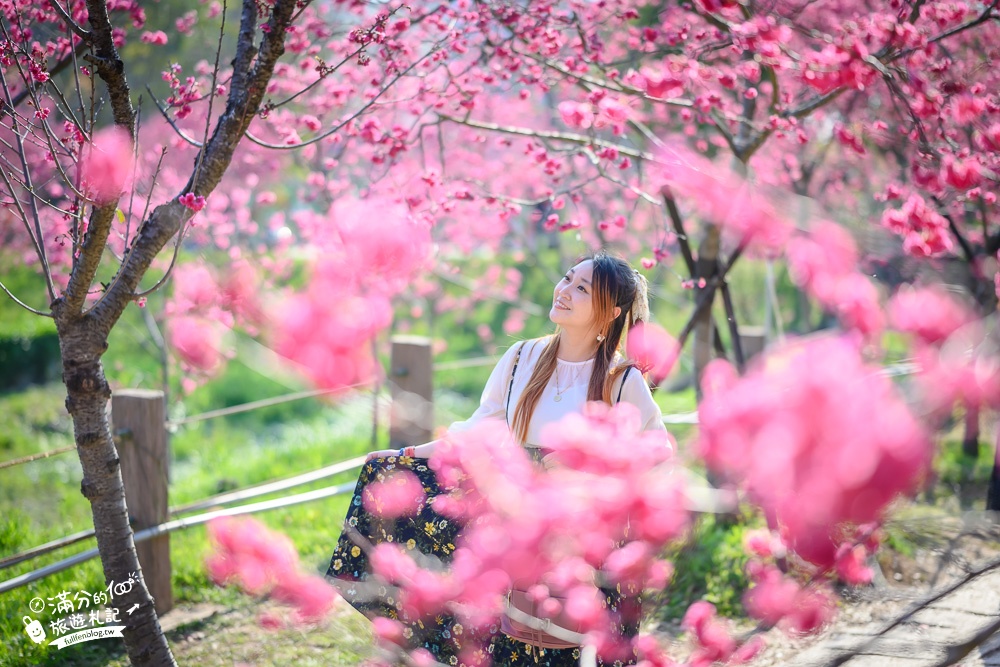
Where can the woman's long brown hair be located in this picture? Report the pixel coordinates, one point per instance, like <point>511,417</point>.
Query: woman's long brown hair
<point>614,285</point>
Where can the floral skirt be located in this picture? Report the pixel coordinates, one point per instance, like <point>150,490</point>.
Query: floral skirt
<point>434,535</point>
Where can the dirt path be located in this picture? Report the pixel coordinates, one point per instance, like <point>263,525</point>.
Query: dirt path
<point>935,634</point>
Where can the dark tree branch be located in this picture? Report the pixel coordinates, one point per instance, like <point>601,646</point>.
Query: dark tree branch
<point>70,23</point>
<point>112,71</point>
<point>815,103</point>
<point>734,331</point>
<point>720,347</point>
<point>707,294</point>
<point>252,70</point>
<point>109,66</point>
<point>967,249</point>
<point>682,238</point>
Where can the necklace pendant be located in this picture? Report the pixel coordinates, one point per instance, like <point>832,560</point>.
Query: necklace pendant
<point>557,398</point>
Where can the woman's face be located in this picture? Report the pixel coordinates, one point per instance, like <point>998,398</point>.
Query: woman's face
<point>573,298</point>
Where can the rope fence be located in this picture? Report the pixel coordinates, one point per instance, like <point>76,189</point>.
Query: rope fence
<point>170,526</point>
<point>902,368</point>
<point>472,362</point>
<point>213,501</point>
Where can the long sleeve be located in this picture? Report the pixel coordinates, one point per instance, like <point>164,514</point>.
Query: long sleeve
<point>637,392</point>
<point>492,404</point>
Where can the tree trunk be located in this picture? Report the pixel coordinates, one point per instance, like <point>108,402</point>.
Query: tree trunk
<point>993,491</point>
<point>705,267</point>
<point>970,444</point>
<point>82,343</point>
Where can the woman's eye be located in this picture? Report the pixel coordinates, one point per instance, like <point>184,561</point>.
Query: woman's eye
<point>566,278</point>
<point>582,288</point>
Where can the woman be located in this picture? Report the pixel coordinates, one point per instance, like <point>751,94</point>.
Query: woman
<point>537,382</point>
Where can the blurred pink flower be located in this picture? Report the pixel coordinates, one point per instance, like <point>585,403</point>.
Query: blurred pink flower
<point>578,115</point>
<point>818,439</point>
<point>929,313</point>
<point>824,264</point>
<point>106,164</point>
<point>851,566</point>
<point>197,342</point>
<point>654,350</point>
<point>714,643</point>
<point>400,494</point>
<point>730,201</point>
<point>264,563</point>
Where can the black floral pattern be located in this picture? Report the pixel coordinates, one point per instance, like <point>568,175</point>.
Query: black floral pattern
<point>432,534</point>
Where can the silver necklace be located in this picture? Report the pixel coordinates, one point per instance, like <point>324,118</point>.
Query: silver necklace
<point>559,392</point>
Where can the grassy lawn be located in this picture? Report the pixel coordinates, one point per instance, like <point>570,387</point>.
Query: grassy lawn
<point>41,501</point>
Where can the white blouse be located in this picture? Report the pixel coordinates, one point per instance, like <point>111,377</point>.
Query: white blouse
<point>572,378</point>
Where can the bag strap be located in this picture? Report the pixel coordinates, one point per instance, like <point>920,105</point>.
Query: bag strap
<point>622,385</point>
<point>510,387</point>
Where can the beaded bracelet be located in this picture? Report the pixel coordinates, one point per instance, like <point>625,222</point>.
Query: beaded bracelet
<point>407,451</point>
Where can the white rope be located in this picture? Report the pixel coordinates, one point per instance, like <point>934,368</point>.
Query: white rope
<point>163,528</point>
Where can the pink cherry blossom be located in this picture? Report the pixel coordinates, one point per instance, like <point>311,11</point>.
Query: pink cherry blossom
<point>157,37</point>
<point>654,350</point>
<point>928,313</point>
<point>262,562</point>
<point>849,444</point>
<point>579,115</point>
<point>398,495</point>
<point>107,164</point>
<point>192,201</point>
<point>924,231</point>
<point>198,342</point>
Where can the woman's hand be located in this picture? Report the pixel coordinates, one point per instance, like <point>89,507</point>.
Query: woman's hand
<point>381,454</point>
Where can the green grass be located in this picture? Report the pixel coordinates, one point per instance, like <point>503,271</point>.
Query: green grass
<point>709,566</point>
<point>41,501</point>
<point>954,466</point>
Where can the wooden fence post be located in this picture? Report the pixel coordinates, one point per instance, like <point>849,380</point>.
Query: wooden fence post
<point>753,339</point>
<point>411,419</point>
<point>139,417</point>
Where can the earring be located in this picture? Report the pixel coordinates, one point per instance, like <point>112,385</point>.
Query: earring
<point>600,337</point>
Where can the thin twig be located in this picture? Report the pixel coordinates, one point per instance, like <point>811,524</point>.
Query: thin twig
<point>170,268</point>
<point>21,303</point>
<point>32,202</point>
<point>340,125</point>
<point>70,23</point>
<point>173,124</point>
<point>554,136</point>
<point>40,455</point>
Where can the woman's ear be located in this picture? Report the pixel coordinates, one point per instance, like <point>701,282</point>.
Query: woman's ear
<point>618,311</point>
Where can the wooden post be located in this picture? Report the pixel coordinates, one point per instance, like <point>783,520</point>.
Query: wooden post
<point>753,340</point>
<point>410,371</point>
<point>139,416</point>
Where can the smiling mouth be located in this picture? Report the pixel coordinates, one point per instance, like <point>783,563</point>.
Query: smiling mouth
<point>560,305</point>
